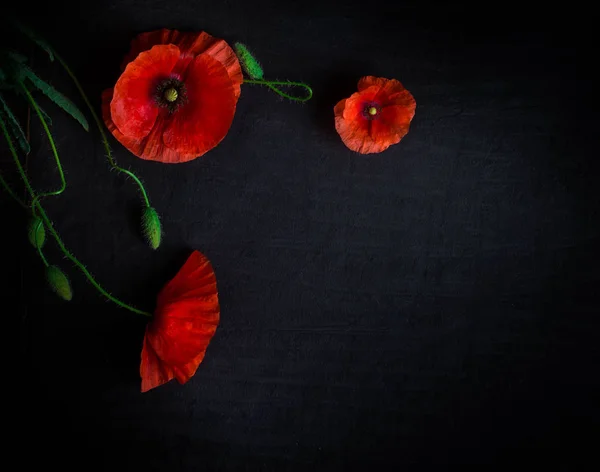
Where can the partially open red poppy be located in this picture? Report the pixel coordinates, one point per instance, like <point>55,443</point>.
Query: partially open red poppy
<point>375,117</point>
<point>176,97</point>
<point>185,320</point>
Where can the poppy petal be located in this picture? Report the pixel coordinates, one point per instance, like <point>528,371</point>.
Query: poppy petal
<point>186,371</point>
<point>195,278</point>
<point>185,329</point>
<point>132,107</point>
<point>403,99</point>
<point>190,43</point>
<point>390,91</point>
<point>370,81</point>
<point>395,118</point>
<point>203,122</point>
<point>221,51</point>
<point>153,372</point>
<point>186,318</point>
<point>357,138</point>
<point>150,147</point>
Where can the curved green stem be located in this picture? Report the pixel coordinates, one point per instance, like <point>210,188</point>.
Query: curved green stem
<point>55,234</point>
<point>82,268</point>
<point>272,83</point>
<point>100,125</point>
<point>11,192</point>
<point>38,245</point>
<point>63,182</point>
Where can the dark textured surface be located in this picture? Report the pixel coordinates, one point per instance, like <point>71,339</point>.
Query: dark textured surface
<point>434,305</point>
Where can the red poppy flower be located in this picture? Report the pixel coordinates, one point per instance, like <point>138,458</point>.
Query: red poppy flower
<point>176,97</point>
<point>185,320</point>
<point>375,117</point>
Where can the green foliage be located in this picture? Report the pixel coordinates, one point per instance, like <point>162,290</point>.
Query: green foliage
<point>36,232</point>
<point>14,126</point>
<point>54,95</point>
<point>35,38</point>
<point>248,61</point>
<point>47,118</point>
<point>151,227</point>
<point>16,57</point>
<point>59,282</point>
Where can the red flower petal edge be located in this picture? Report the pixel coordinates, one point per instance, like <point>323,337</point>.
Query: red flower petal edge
<point>376,116</point>
<point>176,97</point>
<point>186,318</point>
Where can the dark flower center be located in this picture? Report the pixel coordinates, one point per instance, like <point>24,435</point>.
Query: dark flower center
<point>171,94</point>
<point>371,111</point>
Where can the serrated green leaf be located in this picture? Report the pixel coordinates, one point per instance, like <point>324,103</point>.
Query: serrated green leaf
<point>36,39</point>
<point>54,95</point>
<point>15,127</point>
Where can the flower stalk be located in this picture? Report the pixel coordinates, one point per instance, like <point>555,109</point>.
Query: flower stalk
<point>38,210</point>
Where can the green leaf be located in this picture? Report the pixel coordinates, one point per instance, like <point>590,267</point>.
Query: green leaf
<point>36,39</point>
<point>46,116</point>
<point>55,96</point>
<point>15,56</point>
<point>14,126</point>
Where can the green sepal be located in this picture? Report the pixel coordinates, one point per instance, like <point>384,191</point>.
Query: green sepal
<point>36,232</point>
<point>248,62</point>
<point>151,227</point>
<point>59,282</point>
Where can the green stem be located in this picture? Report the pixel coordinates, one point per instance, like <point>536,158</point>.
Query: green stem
<point>55,234</point>
<point>38,245</point>
<point>83,269</point>
<point>271,84</point>
<point>100,125</point>
<point>63,182</point>
<point>11,192</point>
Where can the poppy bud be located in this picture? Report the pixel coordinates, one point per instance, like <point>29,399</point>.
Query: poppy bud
<point>248,62</point>
<point>151,227</point>
<point>59,283</point>
<point>36,232</point>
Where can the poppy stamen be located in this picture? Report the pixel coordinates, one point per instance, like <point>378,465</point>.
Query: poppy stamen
<point>371,110</point>
<point>170,94</point>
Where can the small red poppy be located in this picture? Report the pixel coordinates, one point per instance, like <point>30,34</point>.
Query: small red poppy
<point>185,320</point>
<point>176,97</point>
<point>375,117</point>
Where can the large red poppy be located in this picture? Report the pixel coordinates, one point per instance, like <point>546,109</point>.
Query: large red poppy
<point>375,117</point>
<point>176,97</point>
<point>185,320</point>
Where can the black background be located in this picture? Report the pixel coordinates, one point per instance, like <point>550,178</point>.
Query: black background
<point>431,306</point>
